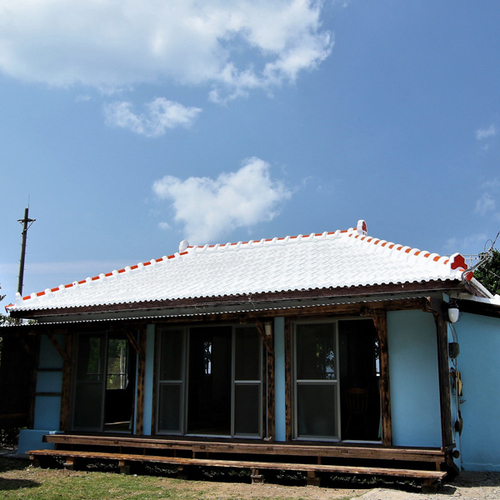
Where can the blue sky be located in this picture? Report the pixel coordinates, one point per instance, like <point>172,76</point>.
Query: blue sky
<point>133,125</point>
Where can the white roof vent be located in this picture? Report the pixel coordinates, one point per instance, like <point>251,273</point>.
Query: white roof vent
<point>183,246</point>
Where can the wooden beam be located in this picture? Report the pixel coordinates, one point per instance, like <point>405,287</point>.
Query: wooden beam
<point>439,310</point>
<point>262,332</point>
<point>288,379</point>
<point>35,359</point>
<point>64,418</point>
<point>141,378</point>
<point>271,394</point>
<point>58,346</point>
<point>380,321</point>
<point>129,332</point>
<point>25,346</point>
<point>255,466</point>
<point>297,311</point>
<point>251,447</point>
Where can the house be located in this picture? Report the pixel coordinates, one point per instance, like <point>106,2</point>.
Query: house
<point>327,351</point>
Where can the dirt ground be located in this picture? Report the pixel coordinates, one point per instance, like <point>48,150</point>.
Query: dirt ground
<point>467,486</point>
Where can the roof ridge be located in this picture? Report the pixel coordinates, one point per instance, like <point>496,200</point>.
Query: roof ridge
<point>284,239</point>
<point>456,260</point>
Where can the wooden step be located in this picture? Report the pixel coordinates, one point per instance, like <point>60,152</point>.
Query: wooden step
<point>123,459</point>
<point>367,452</point>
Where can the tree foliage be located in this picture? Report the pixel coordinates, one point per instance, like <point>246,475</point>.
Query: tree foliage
<point>489,273</point>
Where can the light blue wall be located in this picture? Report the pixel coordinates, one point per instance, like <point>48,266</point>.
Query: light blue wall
<point>479,363</point>
<point>414,380</point>
<point>279,374</point>
<point>47,408</point>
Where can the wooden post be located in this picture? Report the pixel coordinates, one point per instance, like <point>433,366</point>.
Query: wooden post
<point>256,477</point>
<point>288,378</point>
<point>312,478</point>
<point>438,309</point>
<point>380,321</point>
<point>124,467</point>
<point>141,378</point>
<point>271,395</point>
<point>70,463</point>
<point>64,420</point>
<point>34,361</point>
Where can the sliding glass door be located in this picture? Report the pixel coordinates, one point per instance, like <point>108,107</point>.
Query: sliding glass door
<point>104,384</point>
<point>336,381</point>
<point>210,381</point>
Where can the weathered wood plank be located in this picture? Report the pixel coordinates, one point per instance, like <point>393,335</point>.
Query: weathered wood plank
<point>380,321</point>
<point>292,449</point>
<point>439,310</point>
<point>64,417</point>
<point>271,391</point>
<point>141,380</point>
<point>288,379</point>
<point>344,469</point>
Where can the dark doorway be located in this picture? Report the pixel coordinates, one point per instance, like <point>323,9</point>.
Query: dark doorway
<point>209,392</point>
<point>360,380</point>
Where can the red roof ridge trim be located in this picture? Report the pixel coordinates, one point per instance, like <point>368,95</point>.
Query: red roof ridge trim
<point>98,277</point>
<point>457,260</point>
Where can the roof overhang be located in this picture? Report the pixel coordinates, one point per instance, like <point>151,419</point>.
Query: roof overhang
<point>246,303</point>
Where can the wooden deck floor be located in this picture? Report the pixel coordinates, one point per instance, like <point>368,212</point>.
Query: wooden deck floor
<point>296,449</point>
<point>427,465</point>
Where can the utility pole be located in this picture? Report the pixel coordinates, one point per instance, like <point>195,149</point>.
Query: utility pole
<point>27,223</point>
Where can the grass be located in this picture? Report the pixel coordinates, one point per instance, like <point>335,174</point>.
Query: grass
<point>19,480</point>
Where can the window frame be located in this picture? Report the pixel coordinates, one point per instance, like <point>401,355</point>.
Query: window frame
<point>185,383</point>
<point>315,382</point>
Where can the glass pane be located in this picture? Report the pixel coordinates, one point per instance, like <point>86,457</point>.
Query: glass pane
<point>116,377</point>
<point>90,362</point>
<point>247,354</point>
<point>171,355</point>
<point>317,410</point>
<point>88,406</point>
<point>169,415</point>
<point>247,414</point>
<point>315,352</point>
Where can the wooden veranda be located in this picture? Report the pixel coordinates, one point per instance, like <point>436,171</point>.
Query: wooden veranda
<point>428,466</point>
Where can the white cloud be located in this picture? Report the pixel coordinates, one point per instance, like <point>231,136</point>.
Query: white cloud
<point>209,209</point>
<point>484,133</point>
<point>231,46</point>
<point>161,115</point>
<point>485,204</point>
<point>470,245</point>
<point>164,225</point>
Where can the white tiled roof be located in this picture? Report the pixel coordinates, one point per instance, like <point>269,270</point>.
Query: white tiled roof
<point>328,260</point>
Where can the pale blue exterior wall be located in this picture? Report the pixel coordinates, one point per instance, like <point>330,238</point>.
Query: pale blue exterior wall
<point>47,407</point>
<point>414,380</point>
<point>479,364</point>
